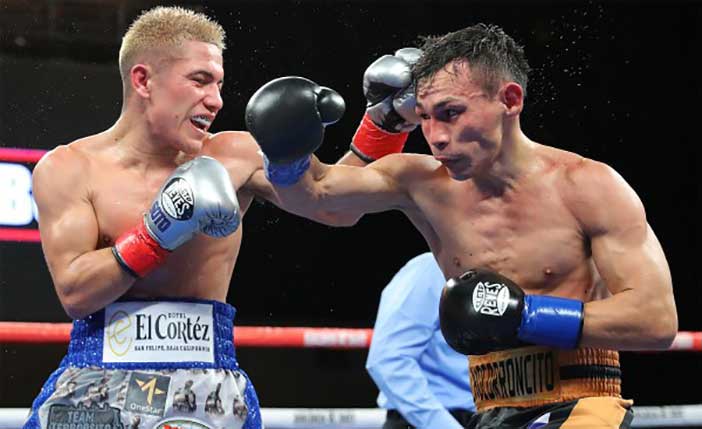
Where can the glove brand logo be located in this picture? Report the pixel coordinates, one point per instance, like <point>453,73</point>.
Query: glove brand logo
<point>158,217</point>
<point>178,199</point>
<point>490,298</point>
<point>118,337</point>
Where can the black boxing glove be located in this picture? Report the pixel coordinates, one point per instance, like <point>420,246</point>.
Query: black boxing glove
<point>482,311</point>
<point>287,117</point>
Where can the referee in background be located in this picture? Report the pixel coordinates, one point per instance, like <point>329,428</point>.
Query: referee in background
<point>423,383</point>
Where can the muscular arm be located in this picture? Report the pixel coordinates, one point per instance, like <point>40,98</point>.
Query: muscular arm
<point>328,193</point>
<point>336,195</point>
<point>641,312</point>
<point>290,132</point>
<point>85,279</point>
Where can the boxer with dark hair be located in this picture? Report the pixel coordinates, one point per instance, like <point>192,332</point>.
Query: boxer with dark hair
<point>554,266</point>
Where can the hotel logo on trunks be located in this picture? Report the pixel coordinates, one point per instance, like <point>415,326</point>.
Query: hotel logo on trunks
<point>158,332</point>
<point>147,394</point>
<point>82,417</point>
<point>522,375</point>
<point>490,298</point>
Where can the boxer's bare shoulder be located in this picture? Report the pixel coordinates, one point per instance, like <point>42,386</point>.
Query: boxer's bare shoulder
<point>233,147</point>
<point>409,164</point>
<point>72,153</point>
<point>241,156</point>
<point>581,188</point>
<point>79,158</point>
<point>410,171</point>
<point>575,169</point>
<point>63,168</point>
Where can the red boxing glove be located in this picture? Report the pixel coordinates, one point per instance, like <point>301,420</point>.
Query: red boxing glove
<point>371,142</point>
<point>137,252</point>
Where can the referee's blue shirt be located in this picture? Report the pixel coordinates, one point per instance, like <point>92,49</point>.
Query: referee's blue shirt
<point>417,372</point>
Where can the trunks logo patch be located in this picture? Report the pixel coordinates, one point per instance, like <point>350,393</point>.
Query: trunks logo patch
<point>147,394</point>
<point>158,332</point>
<point>490,298</point>
<point>181,424</point>
<point>525,375</point>
<point>82,417</point>
<point>117,334</point>
<point>178,199</point>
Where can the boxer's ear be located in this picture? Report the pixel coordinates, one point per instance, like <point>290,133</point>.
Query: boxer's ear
<point>512,96</point>
<point>139,76</point>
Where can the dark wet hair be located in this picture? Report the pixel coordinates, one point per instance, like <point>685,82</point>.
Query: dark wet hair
<point>489,51</point>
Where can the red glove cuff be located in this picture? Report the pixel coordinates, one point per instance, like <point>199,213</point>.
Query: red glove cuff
<point>371,142</point>
<point>137,252</point>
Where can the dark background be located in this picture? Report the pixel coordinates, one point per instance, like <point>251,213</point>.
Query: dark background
<point>616,81</point>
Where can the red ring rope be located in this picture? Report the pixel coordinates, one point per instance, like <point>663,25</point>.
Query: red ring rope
<point>245,336</point>
<point>266,336</point>
<point>21,155</point>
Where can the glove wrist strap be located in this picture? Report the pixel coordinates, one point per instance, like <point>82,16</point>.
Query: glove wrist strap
<point>551,321</point>
<point>285,174</point>
<point>137,252</point>
<point>371,143</point>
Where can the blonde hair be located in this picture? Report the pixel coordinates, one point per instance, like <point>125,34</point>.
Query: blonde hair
<point>166,27</point>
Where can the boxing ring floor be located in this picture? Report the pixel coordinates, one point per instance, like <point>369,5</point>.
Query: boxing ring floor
<point>665,416</point>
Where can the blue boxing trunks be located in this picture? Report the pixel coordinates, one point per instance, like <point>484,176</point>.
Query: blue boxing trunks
<point>150,364</point>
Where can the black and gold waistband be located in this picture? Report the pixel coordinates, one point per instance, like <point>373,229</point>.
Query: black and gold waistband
<point>535,376</point>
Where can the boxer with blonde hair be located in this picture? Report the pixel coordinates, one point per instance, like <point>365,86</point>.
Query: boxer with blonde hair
<point>140,228</point>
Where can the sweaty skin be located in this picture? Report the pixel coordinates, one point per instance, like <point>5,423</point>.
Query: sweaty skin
<point>118,191</point>
<point>94,189</point>
<point>554,222</point>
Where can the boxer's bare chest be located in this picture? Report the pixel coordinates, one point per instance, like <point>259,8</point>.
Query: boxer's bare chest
<point>200,268</point>
<point>120,197</point>
<point>526,233</point>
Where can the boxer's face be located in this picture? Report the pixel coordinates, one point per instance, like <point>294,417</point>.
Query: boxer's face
<point>460,121</point>
<point>186,96</point>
